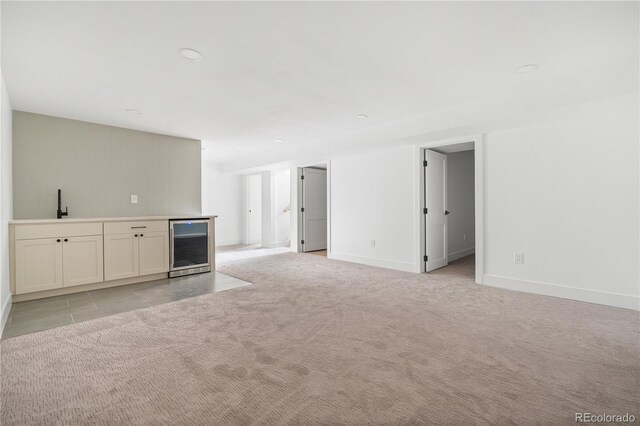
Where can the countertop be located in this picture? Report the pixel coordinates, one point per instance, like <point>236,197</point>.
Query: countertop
<point>106,219</point>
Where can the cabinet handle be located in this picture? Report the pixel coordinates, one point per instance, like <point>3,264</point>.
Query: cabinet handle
<point>136,235</point>
<point>142,235</point>
<point>58,240</point>
<point>66,239</point>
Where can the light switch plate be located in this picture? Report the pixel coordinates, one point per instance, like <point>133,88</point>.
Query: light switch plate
<point>134,199</point>
<point>518,257</point>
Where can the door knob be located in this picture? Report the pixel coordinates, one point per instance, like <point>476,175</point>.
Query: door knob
<point>447,212</point>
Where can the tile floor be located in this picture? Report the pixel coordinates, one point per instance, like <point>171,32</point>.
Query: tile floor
<point>232,253</point>
<point>43,314</point>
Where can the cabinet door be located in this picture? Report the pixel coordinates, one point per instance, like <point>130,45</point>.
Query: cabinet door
<point>120,256</point>
<point>82,260</point>
<point>154,252</point>
<point>38,265</point>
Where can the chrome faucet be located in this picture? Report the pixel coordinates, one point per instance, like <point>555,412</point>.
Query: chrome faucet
<point>66,209</point>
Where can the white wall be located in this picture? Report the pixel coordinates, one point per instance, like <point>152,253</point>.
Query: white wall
<point>222,195</point>
<point>566,195</point>
<point>6,196</point>
<point>268,224</point>
<point>460,202</point>
<point>372,198</point>
<point>283,207</point>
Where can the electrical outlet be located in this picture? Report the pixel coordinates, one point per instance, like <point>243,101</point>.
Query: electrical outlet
<point>518,257</point>
<point>373,243</point>
<point>134,199</point>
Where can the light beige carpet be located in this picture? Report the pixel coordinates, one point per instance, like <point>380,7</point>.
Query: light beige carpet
<point>317,341</point>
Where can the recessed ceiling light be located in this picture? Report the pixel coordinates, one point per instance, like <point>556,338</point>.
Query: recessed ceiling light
<point>361,117</point>
<point>278,140</point>
<point>133,111</point>
<point>526,68</point>
<point>190,54</point>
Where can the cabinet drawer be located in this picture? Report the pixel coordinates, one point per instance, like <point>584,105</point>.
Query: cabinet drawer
<point>53,230</point>
<point>111,228</point>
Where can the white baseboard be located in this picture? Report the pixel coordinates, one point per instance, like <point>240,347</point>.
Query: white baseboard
<point>277,244</point>
<point>381,263</point>
<point>4,313</point>
<point>460,254</point>
<point>228,243</point>
<point>618,300</point>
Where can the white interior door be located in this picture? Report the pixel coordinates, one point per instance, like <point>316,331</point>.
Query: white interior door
<point>254,209</point>
<point>436,214</point>
<point>314,215</point>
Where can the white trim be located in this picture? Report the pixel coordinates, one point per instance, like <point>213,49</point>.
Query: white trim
<point>4,313</point>
<point>298,212</point>
<point>277,244</point>
<point>479,155</point>
<point>625,301</point>
<point>229,242</point>
<point>381,263</point>
<point>460,254</point>
<point>329,208</point>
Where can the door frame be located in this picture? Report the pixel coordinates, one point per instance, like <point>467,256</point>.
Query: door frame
<point>297,218</point>
<point>479,182</point>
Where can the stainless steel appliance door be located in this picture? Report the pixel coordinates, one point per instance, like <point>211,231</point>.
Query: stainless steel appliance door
<point>189,243</point>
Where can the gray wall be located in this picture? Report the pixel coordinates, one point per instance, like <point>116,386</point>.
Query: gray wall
<point>461,203</point>
<point>98,168</point>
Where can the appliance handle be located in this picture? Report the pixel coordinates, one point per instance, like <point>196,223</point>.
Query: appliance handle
<point>189,221</point>
<point>171,248</point>
<point>138,227</point>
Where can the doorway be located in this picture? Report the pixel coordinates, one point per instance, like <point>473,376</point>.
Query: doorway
<point>253,209</point>
<point>312,212</point>
<point>451,204</point>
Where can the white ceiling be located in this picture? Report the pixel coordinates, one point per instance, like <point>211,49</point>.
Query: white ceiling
<point>302,71</point>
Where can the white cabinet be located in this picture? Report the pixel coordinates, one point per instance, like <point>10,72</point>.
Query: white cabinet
<point>134,249</point>
<point>120,256</point>
<point>82,260</point>
<point>153,252</point>
<point>50,263</point>
<point>38,265</point>
<point>49,257</point>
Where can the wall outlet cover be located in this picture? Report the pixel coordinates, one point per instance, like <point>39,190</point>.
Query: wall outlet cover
<point>134,199</point>
<point>518,257</point>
